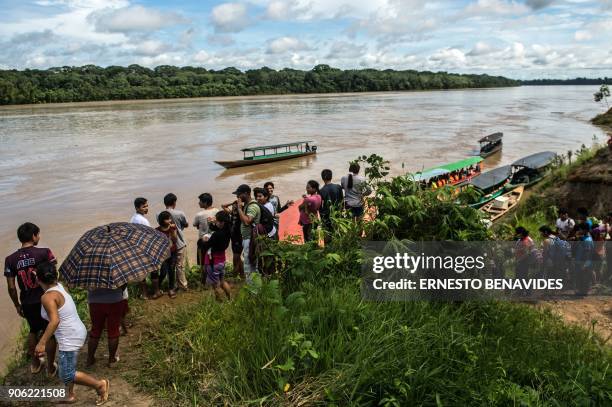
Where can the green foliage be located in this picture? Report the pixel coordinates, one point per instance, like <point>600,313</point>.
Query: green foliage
<point>602,94</point>
<point>93,83</point>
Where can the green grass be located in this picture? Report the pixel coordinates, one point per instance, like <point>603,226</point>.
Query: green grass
<point>330,346</point>
<point>604,119</point>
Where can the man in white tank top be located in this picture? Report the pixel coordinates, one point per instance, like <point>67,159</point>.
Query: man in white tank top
<point>59,309</point>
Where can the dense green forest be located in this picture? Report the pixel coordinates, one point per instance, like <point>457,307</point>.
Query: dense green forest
<point>93,83</point>
<point>575,81</point>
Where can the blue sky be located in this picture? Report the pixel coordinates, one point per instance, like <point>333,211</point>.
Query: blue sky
<point>516,38</point>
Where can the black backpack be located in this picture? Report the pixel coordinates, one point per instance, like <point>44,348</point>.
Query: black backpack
<point>266,219</point>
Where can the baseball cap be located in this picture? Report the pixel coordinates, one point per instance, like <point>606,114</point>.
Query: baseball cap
<point>244,188</point>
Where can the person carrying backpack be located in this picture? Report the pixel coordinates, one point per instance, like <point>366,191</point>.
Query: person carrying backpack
<point>249,214</point>
<point>556,253</point>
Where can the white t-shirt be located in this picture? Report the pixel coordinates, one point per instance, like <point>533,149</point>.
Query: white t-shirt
<point>201,221</point>
<point>565,226</point>
<point>140,220</point>
<point>270,207</point>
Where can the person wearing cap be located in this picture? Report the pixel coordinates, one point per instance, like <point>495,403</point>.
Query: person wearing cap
<point>250,215</point>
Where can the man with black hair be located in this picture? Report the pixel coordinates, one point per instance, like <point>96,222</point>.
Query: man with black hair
<point>21,265</point>
<point>565,224</point>
<point>202,220</point>
<point>180,220</point>
<point>332,196</point>
<point>142,208</point>
<point>250,215</point>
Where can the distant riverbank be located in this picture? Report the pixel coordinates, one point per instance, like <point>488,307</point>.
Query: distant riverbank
<point>93,83</point>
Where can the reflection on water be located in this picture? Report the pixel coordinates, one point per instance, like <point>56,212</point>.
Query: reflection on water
<point>256,173</point>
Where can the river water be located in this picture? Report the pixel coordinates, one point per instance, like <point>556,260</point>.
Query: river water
<point>70,167</point>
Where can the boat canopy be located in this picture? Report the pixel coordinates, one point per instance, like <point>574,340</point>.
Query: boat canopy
<point>491,138</point>
<point>535,161</point>
<point>425,175</point>
<point>270,147</point>
<point>458,165</point>
<point>491,178</point>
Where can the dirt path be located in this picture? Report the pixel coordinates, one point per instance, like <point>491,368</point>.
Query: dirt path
<point>587,312</point>
<point>122,392</point>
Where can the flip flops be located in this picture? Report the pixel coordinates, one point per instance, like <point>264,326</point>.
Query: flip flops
<point>103,398</point>
<point>35,370</point>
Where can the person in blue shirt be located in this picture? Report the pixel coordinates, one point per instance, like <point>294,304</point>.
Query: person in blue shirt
<point>583,259</point>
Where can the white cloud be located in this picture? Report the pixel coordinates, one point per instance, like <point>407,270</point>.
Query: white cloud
<point>286,44</point>
<point>495,7</point>
<point>230,17</point>
<point>481,48</point>
<point>448,58</point>
<point>287,9</point>
<point>134,18</point>
<point>148,48</point>
<point>582,35</point>
<point>344,49</point>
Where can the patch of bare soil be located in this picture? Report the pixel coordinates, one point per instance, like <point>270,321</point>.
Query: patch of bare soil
<point>588,186</point>
<point>593,313</point>
<point>122,393</point>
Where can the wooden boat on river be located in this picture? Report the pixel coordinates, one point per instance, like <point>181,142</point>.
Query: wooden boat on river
<point>491,144</point>
<point>503,204</point>
<point>491,184</point>
<point>531,169</point>
<point>272,153</point>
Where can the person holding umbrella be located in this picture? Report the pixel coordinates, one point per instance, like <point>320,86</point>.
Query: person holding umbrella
<point>70,332</point>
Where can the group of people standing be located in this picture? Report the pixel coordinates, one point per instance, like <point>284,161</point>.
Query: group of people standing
<point>581,263</point>
<point>51,313</point>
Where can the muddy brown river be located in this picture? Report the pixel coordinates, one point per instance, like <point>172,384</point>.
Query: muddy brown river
<point>70,167</point>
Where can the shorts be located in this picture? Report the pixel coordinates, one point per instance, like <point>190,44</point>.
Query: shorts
<point>215,274</point>
<point>67,365</point>
<point>108,315</point>
<point>31,313</point>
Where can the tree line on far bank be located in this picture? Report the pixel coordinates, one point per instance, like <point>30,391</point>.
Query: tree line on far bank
<point>94,83</point>
<point>575,81</point>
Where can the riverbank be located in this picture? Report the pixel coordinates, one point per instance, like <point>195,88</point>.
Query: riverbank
<point>93,83</point>
<point>604,120</point>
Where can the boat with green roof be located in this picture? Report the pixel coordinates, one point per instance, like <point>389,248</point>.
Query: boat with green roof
<point>456,173</point>
<point>271,153</point>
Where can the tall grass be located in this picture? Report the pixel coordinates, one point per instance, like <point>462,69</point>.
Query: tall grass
<point>307,337</point>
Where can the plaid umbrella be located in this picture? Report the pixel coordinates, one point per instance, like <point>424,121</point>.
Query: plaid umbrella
<point>113,255</point>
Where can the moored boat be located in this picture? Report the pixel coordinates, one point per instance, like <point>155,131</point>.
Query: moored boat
<point>503,204</point>
<point>272,153</point>
<point>455,173</point>
<point>531,169</point>
<point>491,144</point>
<point>491,184</point>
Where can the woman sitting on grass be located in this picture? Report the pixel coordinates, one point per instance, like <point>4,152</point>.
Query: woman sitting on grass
<point>214,260</point>
<point>64,322</point>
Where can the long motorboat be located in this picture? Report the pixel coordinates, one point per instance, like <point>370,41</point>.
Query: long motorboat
<point>503,204</point>
<point>455,173</point>
<point>491,144</point>
<point>268,154</point>
<point>531,169</point>
<point>491,184</point>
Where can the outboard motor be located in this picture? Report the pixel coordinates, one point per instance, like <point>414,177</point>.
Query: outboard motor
<point>313,149</point>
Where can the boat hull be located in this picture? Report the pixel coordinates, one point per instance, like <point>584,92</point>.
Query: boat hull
<point>485,154</point>
<point>245,163</point>
<point>514,197</point>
